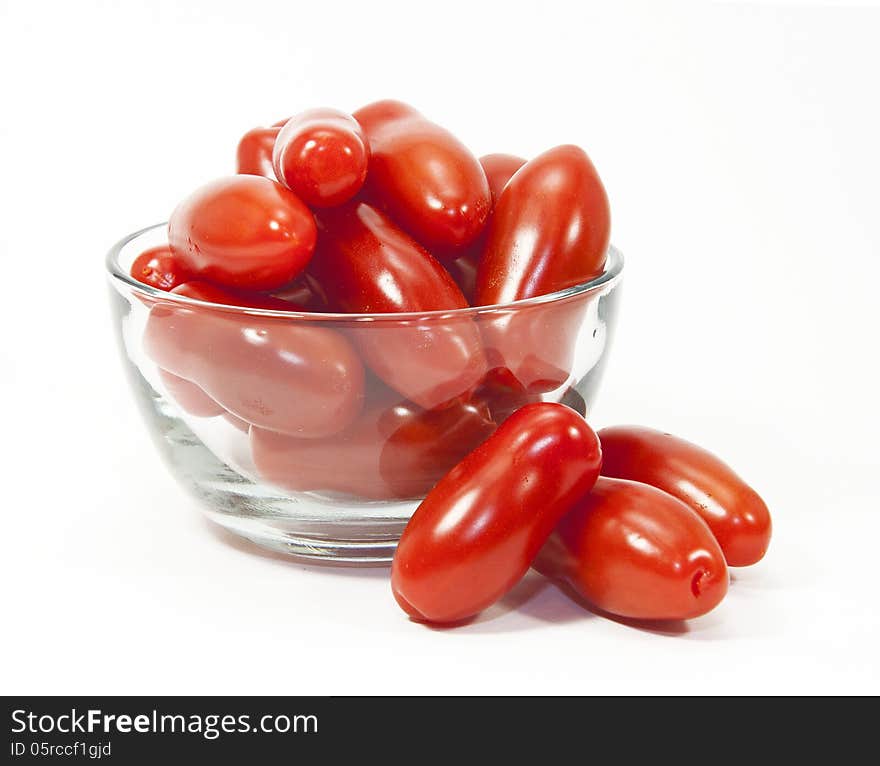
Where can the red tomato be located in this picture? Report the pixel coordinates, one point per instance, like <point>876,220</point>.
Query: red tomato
<point>286,375</point>
<point>735,513</point>
<point>423,445</point>
<point>535,344</point>
<point>394,450</point>
<point>301,295</point>
<point>499,169</point>
<point>244,232</point>
<point>503,394</point>
<point>254,155</point>
<point>550,229</point>
<point>205,291</point>
<point>476,533</point>
<point>189,396</point>
<point>634,551</point>
<point>427,179</point>
<point>322,156</point>
<point>159,268</point>
<point>365,264</point>
<point>464,272</point>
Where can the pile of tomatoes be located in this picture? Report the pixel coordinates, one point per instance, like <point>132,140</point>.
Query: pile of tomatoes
<point>635,522</point>
<point>384,212</point>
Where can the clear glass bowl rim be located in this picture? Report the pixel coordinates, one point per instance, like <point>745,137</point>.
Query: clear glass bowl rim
<point>612,272</point>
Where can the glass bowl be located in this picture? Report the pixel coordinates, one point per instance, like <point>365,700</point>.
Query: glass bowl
<point>319,434</point>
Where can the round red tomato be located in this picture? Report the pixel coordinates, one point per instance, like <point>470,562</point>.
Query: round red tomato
<point>735,513</point>
<point>322,156</point>
<point>476,533</point>
<point>244,231</point>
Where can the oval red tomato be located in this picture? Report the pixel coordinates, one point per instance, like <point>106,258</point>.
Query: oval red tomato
<point>426,178</point>
<point>254,153</point>
<point>394,450</point>
<point>280,374</point>
<point>244,231</point>
<point>634,551</point>
<point>322,156</point>
<point>735,513</point>
<point>499,169</point>
<point>159,268</point>
<point>366,264</point>
<point>550,229</point>
<point>191,398</point>
<point>477,532</point>
<point>205,291</point>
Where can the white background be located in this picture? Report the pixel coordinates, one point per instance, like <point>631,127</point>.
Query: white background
<point>738,144</point>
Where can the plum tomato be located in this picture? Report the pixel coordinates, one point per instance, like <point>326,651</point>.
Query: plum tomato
<point>322,156</point>
<point>634,551</point>
<point>244,231</point>
<point>394,450</point>
<point>476,533</point>
<point>209,293</point>
<point>464,272</point>
<point>294,377</point>
<point>159,268</point>
<point>191,398</point>
<point>425,178</point>
<point>499,169</point>
<point>735,513</point>
<point>254,154</point>
<point>365,264</point>
<point>550,229</point>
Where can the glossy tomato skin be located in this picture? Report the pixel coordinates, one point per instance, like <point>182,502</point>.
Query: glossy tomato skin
<point>189,396</point>
<point>477,532</point>
<point>394,450</point>
<point>366,264</point>
<point>550,229</point>
<point>159,268</point>
<point>426,178</point>
<point>254,153</point>
<point>245,232</point>
<point>281,374</point>
<point>464,272</point>
<point>735,513</point>
<point>209,293</point>
<point>300,296</point>
<point>499,169</point>
<point>636,552</point>
<point>503,394</point>
<point>322,156</point>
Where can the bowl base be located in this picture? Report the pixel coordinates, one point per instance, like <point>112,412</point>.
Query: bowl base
<point>376,551</point>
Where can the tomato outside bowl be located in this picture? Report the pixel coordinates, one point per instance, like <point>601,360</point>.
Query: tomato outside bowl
<point>318,434</point>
